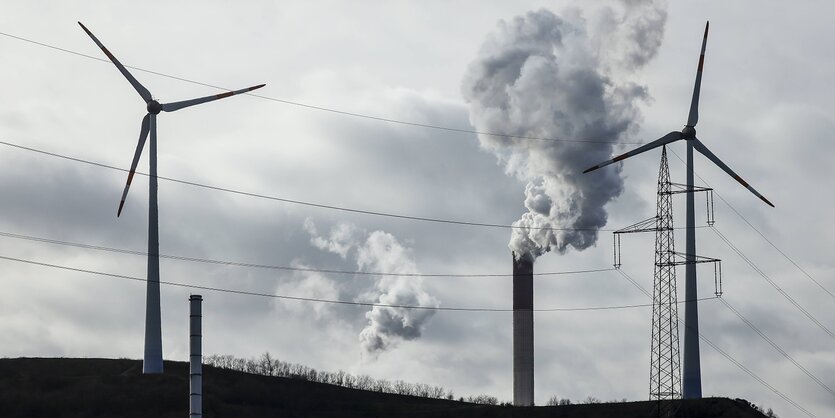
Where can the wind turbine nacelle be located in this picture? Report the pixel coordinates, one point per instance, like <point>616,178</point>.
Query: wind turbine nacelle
<point>687,133</point>
<point>154,107</point>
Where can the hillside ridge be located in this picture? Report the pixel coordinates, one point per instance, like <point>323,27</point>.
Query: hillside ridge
<point>91,387</point>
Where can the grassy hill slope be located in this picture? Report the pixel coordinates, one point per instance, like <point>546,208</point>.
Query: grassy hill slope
<point>41,387</point>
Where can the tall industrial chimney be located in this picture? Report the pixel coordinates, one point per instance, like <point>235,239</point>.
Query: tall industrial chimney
<point>522,330</point>
<point>195,357</point>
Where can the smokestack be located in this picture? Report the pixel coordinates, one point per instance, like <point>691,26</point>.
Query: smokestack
<point>195,356</point>
<point>522,330</point>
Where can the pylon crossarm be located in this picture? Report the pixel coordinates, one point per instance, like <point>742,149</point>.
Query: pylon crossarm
<point>682,188</point>
<point>648,225</point>
<point>676,188</point>
<point>681,259</point>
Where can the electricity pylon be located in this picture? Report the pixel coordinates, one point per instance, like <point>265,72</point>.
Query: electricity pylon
<point>665,365</point>
<point>665,360</point>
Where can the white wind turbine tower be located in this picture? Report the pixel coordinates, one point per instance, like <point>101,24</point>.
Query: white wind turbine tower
<point>692,380</point>
<point>153,330</point>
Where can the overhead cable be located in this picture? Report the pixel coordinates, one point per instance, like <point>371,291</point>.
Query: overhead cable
<point>771,243</point>
<point>727,356</point>
<point>319,300</point>
<point>777,347</point>
<point>275,267</point>
<point>774,285</point>
<point>300,202</point>
<point>327,109</point>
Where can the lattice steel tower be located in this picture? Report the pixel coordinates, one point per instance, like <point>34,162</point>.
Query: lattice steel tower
<point>665,365</point>
<point>665,379</point>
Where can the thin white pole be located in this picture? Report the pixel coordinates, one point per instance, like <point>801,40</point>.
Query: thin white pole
<point>153,323</point>
<point>692,382</point>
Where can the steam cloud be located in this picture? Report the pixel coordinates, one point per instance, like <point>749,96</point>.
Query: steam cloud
<point>381,251</point>
<point>546,76</point>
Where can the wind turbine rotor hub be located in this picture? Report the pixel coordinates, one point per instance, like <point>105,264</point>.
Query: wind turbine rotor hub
<point>154,107</point>
<point>688,132</point>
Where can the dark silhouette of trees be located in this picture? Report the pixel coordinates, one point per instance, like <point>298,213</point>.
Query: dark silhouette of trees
<point>557,401</point>
<point>267,365</point>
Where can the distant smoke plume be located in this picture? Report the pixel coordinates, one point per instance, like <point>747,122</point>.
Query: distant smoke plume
<point>310,284</point>
<point>340,240</point>
<point>546,76</point>
<point>381,251</point>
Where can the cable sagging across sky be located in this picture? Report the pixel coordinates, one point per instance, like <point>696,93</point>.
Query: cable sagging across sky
<point>322,108</point>
<point>771,243</point>
<point>275,267</point>
<point>727,356</point>
<point>297,202</point>
<point>318,300</point>
<point>774,285</point>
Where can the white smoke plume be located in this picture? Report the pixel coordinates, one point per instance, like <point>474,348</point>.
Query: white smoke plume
<point>340,240</point>
<point>310,284</point>
<point>380,251</point>
<point>548,76</point>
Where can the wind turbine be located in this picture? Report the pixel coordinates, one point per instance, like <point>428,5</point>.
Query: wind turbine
<point>692,381</point>
<point>153,330</point>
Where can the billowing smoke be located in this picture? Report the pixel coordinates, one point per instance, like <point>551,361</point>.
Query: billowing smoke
<point>567,77</point>
<point>380,251</point>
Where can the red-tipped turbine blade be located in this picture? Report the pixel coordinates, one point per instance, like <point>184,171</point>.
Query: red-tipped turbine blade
<point>664,140</point>
<point>699,146</point>
<point>170,107</point>
<point>143,135</point>
<point>146,95</point>
<point>693,118</point>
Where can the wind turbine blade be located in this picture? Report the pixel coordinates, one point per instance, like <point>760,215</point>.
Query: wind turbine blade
<point>143,135</point>
<point>146,95</point>
<point>170,107</point>
<point>694,104</point>
<point>664,140</point>
<point>699,146</point>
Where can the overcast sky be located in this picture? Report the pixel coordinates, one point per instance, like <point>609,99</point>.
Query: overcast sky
<point>765,110</point>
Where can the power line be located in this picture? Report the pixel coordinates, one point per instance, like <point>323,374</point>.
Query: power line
<point>300,202</point>
<point>776,346</point>
<point>762,273</point>
<point>774,285</point>
<point>20,38</point>
<point>327,109</point>
<point>275,267</point>
<point>748,322</point>
<point>319,300</point>
<point>754,375</point>
<point>728,356</point>
<point>744,219</point>
<point>778,249</point>
<point>293,201</point>
<point>304,203</point>
<point>438,127</point>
